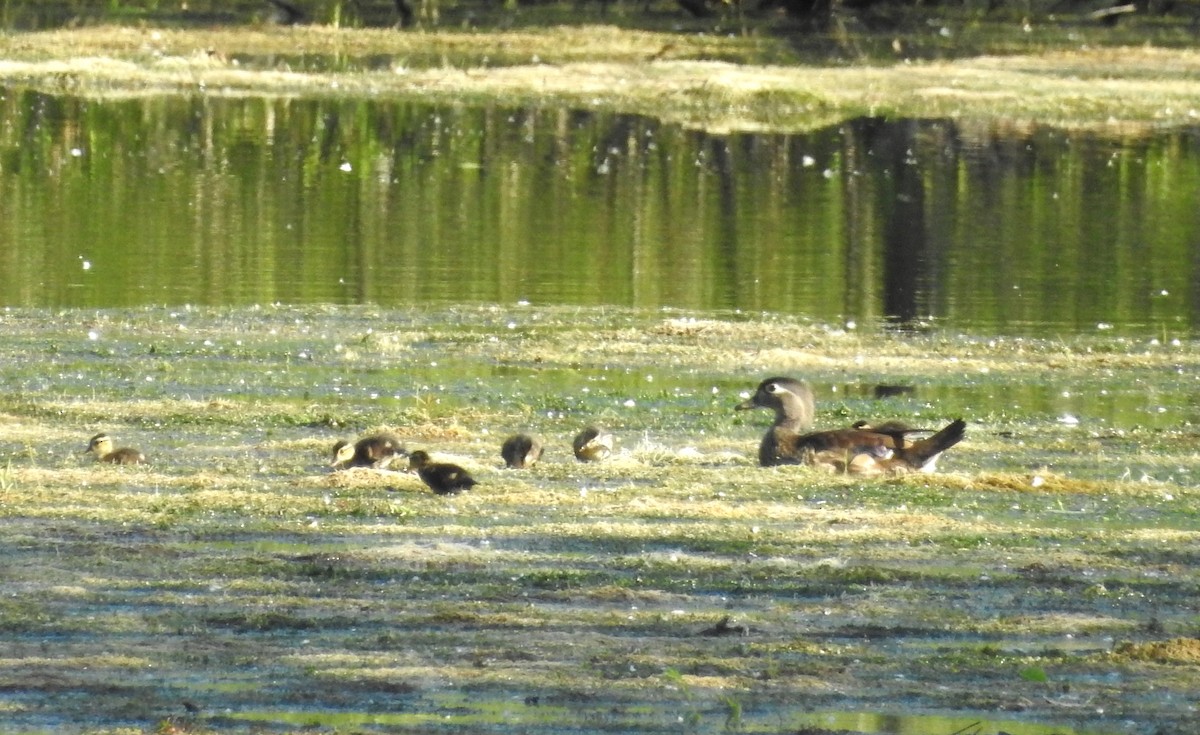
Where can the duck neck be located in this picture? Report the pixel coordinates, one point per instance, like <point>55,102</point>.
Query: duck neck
<point>791,415</point>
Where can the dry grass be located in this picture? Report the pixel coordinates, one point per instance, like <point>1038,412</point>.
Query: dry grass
<point>550,45</point>
<point>1184,651</point>
<point>1118,91</point>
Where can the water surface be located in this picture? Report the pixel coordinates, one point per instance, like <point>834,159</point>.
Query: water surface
<point>215,201</point>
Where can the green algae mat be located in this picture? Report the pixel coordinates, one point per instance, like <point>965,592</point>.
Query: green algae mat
<point>1043,582</point>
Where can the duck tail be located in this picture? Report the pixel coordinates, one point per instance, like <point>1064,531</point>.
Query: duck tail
<point>923,454</point>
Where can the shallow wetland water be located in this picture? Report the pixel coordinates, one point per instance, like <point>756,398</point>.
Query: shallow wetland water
<point>624,270</point>
<point>1044,582</point>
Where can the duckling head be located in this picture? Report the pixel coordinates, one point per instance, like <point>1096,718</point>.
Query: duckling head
<point>343,452</point>
<point>418,459</point>
<point>592,444</point>
<point>100,445</point>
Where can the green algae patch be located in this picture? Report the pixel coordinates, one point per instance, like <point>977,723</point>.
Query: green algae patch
<point>677,582</point>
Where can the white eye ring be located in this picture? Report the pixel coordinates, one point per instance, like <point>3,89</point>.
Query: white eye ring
<point>774,388</point>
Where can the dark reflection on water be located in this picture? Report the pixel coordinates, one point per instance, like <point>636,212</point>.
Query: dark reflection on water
<point>208,200</point>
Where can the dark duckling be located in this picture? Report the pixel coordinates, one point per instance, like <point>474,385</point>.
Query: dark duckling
<point>592,444</point>
<point>793,404</point>
<point>442,478</point>
<point>521,451</point>
<point>377,450</point>
<point>102,446</point>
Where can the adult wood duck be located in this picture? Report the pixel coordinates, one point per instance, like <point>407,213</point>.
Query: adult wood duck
<point>861,449</point>
<point>441,477</point>
<point>521,451</point>
<point>793,404</point>
<point>592,444</point>
<point>377,450</point>
<point>101,445</point>
<point>864,451</point>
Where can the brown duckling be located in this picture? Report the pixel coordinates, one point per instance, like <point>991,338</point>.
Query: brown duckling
<point>592,444</point>
<point>102,446</point>
<point>377,450</point>
<point>793,404</point>
<point>521,451</point>
<point>442,478</point>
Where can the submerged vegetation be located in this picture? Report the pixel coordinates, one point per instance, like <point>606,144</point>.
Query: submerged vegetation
<point>234,581</point>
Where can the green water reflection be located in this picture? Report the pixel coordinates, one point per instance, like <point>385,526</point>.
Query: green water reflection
<point>217,201</point>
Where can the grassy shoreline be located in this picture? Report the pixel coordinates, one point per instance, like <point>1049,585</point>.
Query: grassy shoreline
<point>1119,91</point>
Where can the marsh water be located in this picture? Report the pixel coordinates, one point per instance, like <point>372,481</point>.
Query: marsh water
<point>208,200</point>
<point>993,234</point>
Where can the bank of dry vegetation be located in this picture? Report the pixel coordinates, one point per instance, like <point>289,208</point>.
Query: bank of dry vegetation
<point>704,81</point>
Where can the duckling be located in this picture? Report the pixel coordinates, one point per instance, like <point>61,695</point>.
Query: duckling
<point>102,446</point>
<point>592,444</point>
<point>442,478</point>
<point>793,404</point>
<point>377,450</point>
<point>521,451</point>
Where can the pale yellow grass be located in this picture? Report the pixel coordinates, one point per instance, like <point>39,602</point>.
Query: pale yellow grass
<point>672,77</point>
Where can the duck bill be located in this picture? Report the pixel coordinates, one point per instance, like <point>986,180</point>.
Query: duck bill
<point>746,405</point>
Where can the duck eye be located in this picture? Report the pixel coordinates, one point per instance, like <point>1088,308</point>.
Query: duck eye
<point>774,388</point>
